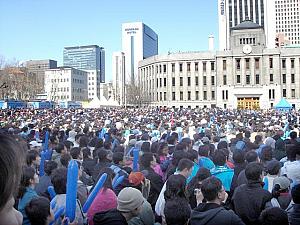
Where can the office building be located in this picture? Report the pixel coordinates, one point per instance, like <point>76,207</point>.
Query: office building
<point>287,22</point>
<point>66,84</point>
<point>138,42</point>
<point>38,67</point>
<point>250,76</point>
<point>90,58</point>
<point>118,73</point>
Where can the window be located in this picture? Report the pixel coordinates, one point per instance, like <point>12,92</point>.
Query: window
<point>284,78</point>
<point>160,96</point>
<point>204,95</point>
<point>238,64</point>
<point>160,82</point>
<point>196,66</point>
<point>293,93</point>
<point>238,79</point>
<point>271,63</point>
<point>292,63</point>
<point>173,81</point>
<point>188,67</point>
<point>257,79</point>
<point>173,96</point>
<point>181,96</point>
<point>283,93</point>
<point>189,81</point>
<point>213,96</point>
<point>224,80</point>
<point>189,95</point>
<point>247,79</point>
<point>197,95</point>
<point>224,64</point>
<point>159,68</point>
<point>156,82</point>
<point>212,66</point>
<point>197,81</point>
<point>173,67</point>
<point>283,63</point>
<point>204,80</point>
<point>165,82</point>
<point>165,96</point>
<point>204,66</point>
<point>213,80</point>
<point>223,95</point>
<point>247,64</point>
<point>271,78</point>
<point>226,94</point>
<point>181,81</point>
<point>292,78</point>
<point>180,67</point>
<point>257,63</point>
<point>165,68</point>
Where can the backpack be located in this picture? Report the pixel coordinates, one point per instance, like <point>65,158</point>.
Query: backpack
<point>240,145</point>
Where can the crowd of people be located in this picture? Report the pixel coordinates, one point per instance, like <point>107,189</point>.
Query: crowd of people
<point>195,166</point>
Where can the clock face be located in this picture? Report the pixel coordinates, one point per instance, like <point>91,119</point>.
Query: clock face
<point>247,49</point>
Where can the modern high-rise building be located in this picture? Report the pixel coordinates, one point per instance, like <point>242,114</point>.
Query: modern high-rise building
<point>287,22</point>
<point>118,73</point>
<point>90,58</point>
<point>138,42</point>
<point>38,67</point>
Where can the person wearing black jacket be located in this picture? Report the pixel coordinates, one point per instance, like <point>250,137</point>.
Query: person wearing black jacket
<point>104,160</point>
<point>250,199</point>
<point>212,212</point>
<point>147,161</point>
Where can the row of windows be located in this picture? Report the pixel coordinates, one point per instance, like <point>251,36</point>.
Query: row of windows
<point>293,93</point>
<point>64,89</point>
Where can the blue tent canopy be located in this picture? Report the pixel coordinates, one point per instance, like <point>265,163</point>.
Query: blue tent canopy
<point>283,105</point>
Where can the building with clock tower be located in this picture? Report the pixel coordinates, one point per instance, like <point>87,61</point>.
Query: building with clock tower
<point>246,76</point>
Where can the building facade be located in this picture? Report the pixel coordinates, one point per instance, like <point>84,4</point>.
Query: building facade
<point>39,67</point>
<point>118,72</point>
<point>249,76</point>
<point>66,84</point>
<point>90,58</point>
<point>138,42</point>
<point>287,20</point>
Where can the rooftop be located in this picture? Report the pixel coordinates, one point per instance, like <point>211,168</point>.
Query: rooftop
<point>246,24</point>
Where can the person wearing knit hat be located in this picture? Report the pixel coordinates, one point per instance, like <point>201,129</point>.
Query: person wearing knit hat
<point>129,205</point>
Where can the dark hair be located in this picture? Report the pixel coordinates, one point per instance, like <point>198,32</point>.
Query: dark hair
<point>274,216</point>
<point>154,147</point>
<point>171,140</point>
<point>83,141</point>
<point>203,150</point>
<point>177,211</point>
<point>65,159</point>
<point>247,134</point>
<point>293,135</point>
<point>253,171</point>
<point>27,174</point>
<point>75,152</point>
<point>117,157</point>
<point>11,159</point>
<point>59,147</point>
<point>273,167</point>
<point>31,156</point>
<point>68,144</point>
<point>37,211</point>
<point>175,187</point>
<point>238,156</point>
<point>102,155</point>
<point>145,159</point>
<point>161,146</point>
<point>219,158</point>
<point>210,188</point>
<point>192,155</point>
<point>222,144</point>
<point>251,156</point>
<point>185,164</point>
<point>266,153</point>
<point>145,146</point>
<point>296,194</point>
<point>49,167</point>
<point>59,180</point>
<point>86,152</point>
<point>107,145</point>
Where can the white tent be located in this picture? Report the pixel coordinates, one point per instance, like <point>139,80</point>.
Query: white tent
<point>96,103</point>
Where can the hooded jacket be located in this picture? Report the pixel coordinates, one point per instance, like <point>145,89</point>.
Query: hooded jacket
<point>212,214</point>
<point>112,217</point>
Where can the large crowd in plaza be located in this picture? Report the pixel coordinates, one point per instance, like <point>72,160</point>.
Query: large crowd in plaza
<point>149,166</point>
